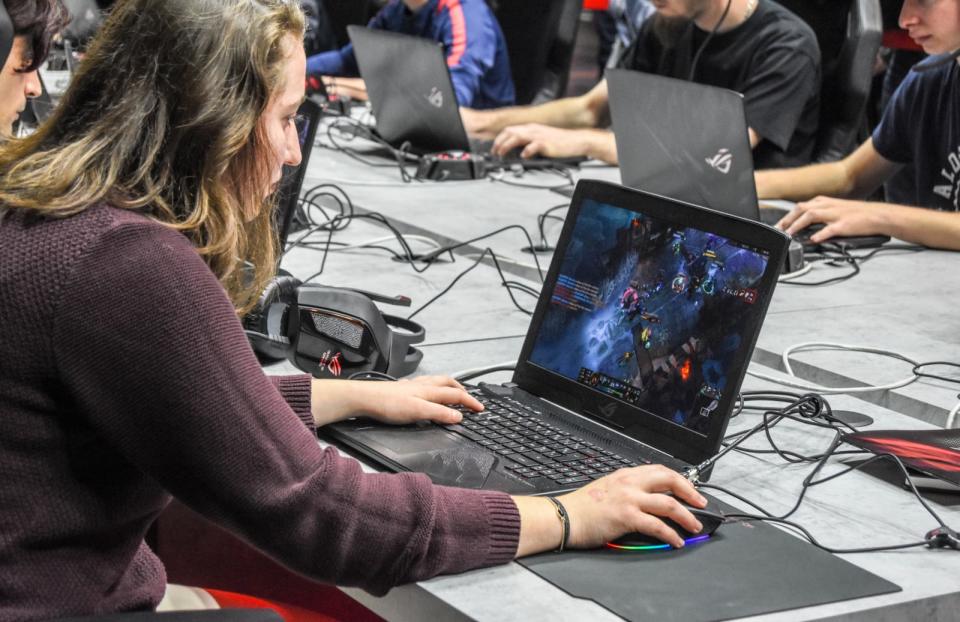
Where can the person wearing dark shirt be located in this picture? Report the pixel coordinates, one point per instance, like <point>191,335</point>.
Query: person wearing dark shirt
<point>474,45</point>
<point>319,36</point>
<point>125,374</point>
<point>35,22</point>
<point>919,128</point>
<point>759,49</point>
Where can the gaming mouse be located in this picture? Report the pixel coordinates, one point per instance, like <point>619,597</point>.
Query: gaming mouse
<point>710,518</point>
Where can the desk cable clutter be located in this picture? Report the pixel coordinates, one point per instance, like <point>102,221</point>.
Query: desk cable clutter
<point>439,166</point>
<point>420,261</point>
<point>813,410</point>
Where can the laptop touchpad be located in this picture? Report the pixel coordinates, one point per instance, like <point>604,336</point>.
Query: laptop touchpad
<point>448,459</point>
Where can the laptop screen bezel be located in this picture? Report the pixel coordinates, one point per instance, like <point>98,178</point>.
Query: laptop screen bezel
<point>676,440</point>
<point>288,194</point>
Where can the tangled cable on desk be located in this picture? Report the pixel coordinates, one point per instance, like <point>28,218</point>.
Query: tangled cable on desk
<point>811,410</point>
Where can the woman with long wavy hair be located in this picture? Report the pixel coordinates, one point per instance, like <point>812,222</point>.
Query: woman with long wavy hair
<point>125,375</point>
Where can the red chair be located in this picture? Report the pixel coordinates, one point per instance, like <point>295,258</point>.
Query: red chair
<point>197,552</point>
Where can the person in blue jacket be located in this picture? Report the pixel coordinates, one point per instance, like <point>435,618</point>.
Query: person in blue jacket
<point>471,37</point>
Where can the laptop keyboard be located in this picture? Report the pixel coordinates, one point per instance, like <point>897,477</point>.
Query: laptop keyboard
<point>533,448</point>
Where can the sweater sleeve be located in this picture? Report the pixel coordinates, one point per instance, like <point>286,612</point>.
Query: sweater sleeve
<point>296,393</point>
<point>471,47</point>
<point>150,352</point>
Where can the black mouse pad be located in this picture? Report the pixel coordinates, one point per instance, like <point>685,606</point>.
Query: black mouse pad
<point>745,569</point>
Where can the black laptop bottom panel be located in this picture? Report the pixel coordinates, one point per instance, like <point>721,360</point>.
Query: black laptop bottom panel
<point>744,569</point>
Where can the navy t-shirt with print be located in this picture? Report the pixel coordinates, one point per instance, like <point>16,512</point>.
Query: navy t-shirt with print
<point>921,126</point>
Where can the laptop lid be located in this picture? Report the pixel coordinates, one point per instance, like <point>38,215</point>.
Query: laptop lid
<point>409,87</point>
<point>308,120</point>
<point>649,316</point>
<point>683,140</point>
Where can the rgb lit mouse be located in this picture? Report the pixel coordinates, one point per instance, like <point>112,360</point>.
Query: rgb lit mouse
<point>708,517</point>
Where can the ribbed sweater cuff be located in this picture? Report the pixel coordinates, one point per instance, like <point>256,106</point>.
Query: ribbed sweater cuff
<point>296,391</point>
<point>504,527</point>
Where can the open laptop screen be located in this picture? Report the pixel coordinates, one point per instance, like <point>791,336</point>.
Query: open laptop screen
<point>650,313</point>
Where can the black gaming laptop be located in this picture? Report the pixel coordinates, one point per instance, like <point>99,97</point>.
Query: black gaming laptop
<point>409,87</point>
<point>635,354</point>
<point>413,100</point>
<point>690,141</point>
<point>308,120</point>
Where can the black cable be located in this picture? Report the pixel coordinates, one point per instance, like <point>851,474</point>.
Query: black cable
<point>453,247</point>
<point>886,248</point>
<point>542,218</point>
<point>703,46</point>
<point>523,287</point>
<point>503,281</point>
<point>371,375</point>
<point>809,537</point>
<point>841,256</point>
<point>806,407</point>
<point>811,480</point>
<point>923,374</point>
<point>401,155</point>
<point>408,253</point>
<point>483,372</point>
<point>735,496</point>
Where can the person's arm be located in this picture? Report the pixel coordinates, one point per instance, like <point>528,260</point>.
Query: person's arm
<point>625,501</point>
<point>588,110</point>
<point>856,176</point>
<point>151,356</point>
<point>470,47</point>
<point>552,142</point>
<point>917,225</point>
<point>340,62</point>
<point>427,398</point>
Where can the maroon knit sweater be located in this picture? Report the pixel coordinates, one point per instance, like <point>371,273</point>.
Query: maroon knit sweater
<point>125,377</point>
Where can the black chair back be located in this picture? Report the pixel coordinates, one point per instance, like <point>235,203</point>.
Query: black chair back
<point>849,33</point>
<point>540,36</point>
<point>343,13</point>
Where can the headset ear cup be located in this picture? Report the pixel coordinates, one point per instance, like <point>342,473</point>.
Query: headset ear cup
<point>263,323</point>
<point>404,358</point>
<point>411,361</point>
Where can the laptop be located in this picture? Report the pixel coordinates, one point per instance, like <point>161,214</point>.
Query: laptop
<point>413,100</point>
<point>635,353</point>
<point>308,120</point>
<point>690,141</point>
<point>410,90</point>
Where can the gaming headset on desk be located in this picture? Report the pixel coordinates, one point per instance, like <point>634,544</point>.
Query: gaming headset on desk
<point>332,332</point>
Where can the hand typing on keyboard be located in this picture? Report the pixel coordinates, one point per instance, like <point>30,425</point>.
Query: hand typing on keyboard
<point>837,217</point>
<point>426,398</point>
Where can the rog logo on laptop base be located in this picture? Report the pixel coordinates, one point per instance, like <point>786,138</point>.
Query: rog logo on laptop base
<point>722,161</point>
<point>608,410</point>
